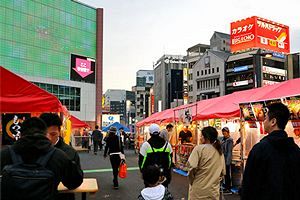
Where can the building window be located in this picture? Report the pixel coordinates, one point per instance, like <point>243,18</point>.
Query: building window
<point>213,70</point>
<point>201,72</point>
<point>205,72</point>
<point>198,85</point>
<point>208,71</point>
<point>68,96</point>
<point>218,82</point>
<point>217,69</point>
<point>197,73</point>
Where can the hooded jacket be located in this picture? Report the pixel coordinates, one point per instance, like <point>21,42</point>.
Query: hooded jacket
<point>158,192</point>
<point>31,147</point>
<point>272,169</point>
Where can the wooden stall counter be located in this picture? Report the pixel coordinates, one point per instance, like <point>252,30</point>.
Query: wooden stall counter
<point>89,185</point>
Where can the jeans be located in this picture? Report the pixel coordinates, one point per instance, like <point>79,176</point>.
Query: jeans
<point>228,177</point>
<point>115,161</point>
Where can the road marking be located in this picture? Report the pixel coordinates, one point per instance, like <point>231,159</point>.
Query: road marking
<point>108,170</point>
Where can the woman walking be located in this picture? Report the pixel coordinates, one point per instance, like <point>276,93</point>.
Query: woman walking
<point>114,148</point>
<point>206,167</point>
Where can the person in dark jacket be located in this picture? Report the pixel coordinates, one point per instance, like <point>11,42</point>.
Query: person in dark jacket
<point>34,144</point>
<point>156,151</point>
<point>53,123</point>
<point>114,148</point>
<point>227,146</point>
<point>272,168</point>
<point>97,139</point>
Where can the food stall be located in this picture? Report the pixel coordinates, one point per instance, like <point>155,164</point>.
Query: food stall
<point>20,100</point>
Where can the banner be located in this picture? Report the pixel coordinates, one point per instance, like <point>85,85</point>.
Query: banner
<point>185,116</point>
<point>11,127</point>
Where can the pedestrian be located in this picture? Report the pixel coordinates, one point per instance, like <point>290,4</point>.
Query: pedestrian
<point>97,136</point>
<point>34,149</point>
<point>272,168</point>
<point>155,190</point>
<point>124,137</point>
<point>185,135</point>
<point>227,146</point>
<point>114,148</point>
<point>167,132</point>
<point>206,167</point>
<point>85,139</point>
<point>156,151</point>
<point>54,123</point>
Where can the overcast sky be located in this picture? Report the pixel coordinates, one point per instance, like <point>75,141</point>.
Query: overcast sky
<point>138,32</point>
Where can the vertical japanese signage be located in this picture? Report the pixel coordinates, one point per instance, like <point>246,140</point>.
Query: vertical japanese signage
<point>256,32</point>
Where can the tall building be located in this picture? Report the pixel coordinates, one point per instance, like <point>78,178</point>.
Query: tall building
<point>255,68</point>
<point>121,102</point>
<point>58,46</point>
<point>194,53</point>
<point>168,84</point>
<point>208,77</point>
<point>144,82</point>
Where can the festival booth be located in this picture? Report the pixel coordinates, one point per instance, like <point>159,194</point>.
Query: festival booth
<point>19,100</point>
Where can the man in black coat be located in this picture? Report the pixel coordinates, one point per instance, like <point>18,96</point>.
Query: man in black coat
<point>97,139</point>
<point>53,123</point>
<point>272,169</point>
<point>33,144</point>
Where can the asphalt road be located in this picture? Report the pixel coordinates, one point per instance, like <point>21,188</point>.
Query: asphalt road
<point>95,166</point>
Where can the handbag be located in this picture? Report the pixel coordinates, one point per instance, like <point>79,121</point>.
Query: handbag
<point>123,170</point>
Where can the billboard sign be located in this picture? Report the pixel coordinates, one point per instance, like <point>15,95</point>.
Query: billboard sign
<point>82,69</point>
<point>240,68</point>
<point>240,83</point>
<point>274,71</point>
<point>108,119</point>
<point>256,32</point>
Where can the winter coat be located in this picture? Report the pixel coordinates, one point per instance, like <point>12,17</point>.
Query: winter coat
<point>31,147</point>
<point>272,169</point>
<point>205,168</point>
<point>113,145</point>
<point>97,135</point>
<point>73,155</point>
<point>227,146</point>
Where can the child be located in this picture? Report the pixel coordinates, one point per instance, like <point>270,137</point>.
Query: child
<point>154,190</point>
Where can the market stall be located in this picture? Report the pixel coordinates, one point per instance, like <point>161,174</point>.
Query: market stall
<point>20,99</point>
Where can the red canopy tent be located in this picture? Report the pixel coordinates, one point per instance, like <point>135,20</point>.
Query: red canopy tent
<point>20,96</point>
<point>228,106</point>
<point>77,123</point>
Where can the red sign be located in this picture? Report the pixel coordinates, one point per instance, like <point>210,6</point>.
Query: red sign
<point>256,32</point>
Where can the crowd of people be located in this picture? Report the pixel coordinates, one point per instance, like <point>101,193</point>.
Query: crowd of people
<point>271,171</point>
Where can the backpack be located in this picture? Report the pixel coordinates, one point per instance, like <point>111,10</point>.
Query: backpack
<point>28,181</point>
<point>158,156</point>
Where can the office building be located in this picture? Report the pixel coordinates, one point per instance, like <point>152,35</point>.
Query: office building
<point>58,46</point>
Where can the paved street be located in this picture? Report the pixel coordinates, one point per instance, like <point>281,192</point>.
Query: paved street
<point>95,166</point>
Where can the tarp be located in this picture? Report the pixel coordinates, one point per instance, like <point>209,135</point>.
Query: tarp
<point>18,95</point>
<point>117,125</point>
<point>77,123</point>
<point>228,106</point>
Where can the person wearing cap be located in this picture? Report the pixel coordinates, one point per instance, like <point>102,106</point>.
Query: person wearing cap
<point>227,146</point>
<point>114,148</point>
<point>156,151</point>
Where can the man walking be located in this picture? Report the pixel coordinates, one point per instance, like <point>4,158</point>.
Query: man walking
<point>227,146</point>
<point>272,168</point>
<point>97,139</point>
<point>156,151</point>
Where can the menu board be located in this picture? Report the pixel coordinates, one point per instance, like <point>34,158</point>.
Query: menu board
<point>293,103</point>
<point>258,110</point>
<point>247,112</point>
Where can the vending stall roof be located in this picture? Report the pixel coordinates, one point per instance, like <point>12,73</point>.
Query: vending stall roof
<point>18,95</point>
<point>228,106</point>
<point>77,123</point>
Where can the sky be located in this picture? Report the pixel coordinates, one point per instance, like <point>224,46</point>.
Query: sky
<point>138,32</point>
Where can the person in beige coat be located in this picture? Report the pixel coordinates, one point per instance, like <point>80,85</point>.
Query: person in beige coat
<point>206,167</point>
